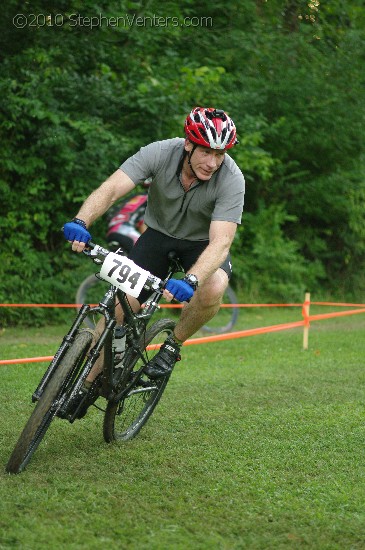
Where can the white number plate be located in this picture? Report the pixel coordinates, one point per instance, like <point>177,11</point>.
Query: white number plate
<point>124,274</point>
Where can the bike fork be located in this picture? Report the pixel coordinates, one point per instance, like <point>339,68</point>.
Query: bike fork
<point>66,343</point>
<point>93,356</point>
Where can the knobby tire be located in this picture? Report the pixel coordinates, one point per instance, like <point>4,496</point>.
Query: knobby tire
<point>46,408</point>
<point>83,293</point>
<point>123,420</point>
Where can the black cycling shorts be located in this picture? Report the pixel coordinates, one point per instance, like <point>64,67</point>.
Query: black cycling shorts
<point>152,249</point>
<point>123,241</point>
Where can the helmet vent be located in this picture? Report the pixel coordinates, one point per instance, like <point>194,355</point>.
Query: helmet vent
<point>204,134</point>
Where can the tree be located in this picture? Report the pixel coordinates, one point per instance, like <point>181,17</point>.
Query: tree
<point>84,87</point>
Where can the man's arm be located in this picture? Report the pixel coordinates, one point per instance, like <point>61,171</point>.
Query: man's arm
<point>221,235</point>
<point>100,200</point>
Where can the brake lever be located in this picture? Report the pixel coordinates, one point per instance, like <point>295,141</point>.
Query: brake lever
<point>94,250</point>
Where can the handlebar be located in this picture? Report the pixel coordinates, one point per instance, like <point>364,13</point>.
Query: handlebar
<point>94,251</point>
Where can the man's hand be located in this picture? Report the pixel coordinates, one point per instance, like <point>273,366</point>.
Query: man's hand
<point>77,235</point>
<point>181,290</point>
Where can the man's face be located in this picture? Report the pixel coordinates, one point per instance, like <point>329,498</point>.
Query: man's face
<point>205,161</point>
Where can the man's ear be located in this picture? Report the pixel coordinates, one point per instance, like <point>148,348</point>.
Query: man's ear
<point>188,146</point>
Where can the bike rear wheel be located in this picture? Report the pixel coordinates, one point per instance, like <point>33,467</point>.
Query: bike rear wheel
<point>226,318</point>
<point>47,406</point>
<point>89,292</point>
<point>123,420</point>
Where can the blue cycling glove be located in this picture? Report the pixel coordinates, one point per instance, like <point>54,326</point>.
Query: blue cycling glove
<point>181,290</point>
<point>75,232</point>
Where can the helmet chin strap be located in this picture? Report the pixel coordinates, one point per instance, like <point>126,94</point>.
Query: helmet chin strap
<point>195,145</point>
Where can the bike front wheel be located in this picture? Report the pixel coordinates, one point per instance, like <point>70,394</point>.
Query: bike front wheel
<point>89,292</point>
<point>123,420</point>
<point>47,406</point>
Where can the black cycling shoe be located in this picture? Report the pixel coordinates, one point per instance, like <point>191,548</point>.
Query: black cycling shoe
<point>84,399</point>
<point>164,361</point>
<point>78,404</point>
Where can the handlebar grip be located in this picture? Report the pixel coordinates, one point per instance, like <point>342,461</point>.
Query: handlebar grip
<point>93,250</point>
<point>154,283</point>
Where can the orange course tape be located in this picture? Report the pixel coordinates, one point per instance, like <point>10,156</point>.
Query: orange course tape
<point>222,337</point>
<point>161,305</point>
<point>27,360</point>
<point>38,305</point>
<point>305,313</point>
<point>339,304</point>
<point>204,339</point>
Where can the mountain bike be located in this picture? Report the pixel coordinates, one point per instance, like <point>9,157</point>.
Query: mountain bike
<point>223,321</point>
<point>130,395</point>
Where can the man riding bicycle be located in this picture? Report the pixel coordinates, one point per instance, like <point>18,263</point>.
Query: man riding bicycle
<point>195,202</point>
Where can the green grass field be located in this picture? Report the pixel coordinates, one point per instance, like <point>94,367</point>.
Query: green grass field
<point>256,444</point>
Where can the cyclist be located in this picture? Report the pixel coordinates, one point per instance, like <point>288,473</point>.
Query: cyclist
<point>127,225</point>
<point>195,203</point>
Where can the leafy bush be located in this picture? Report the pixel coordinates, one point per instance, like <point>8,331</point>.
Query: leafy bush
<point>75,102</point>
<point>267,262</point>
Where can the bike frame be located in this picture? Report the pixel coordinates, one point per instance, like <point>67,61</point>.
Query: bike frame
<point>135,325</point>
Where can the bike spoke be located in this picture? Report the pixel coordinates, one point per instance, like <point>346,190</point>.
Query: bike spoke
<point>123,420</point>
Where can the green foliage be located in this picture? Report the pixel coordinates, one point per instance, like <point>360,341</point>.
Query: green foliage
<point>267,262</point>
<point>75,101</point>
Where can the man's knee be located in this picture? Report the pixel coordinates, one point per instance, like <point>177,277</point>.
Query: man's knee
<point>212,291</point>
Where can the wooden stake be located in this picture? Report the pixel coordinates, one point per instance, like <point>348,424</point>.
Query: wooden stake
<point>306,307</point>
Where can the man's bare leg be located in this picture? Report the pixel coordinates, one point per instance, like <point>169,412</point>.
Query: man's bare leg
<point>98,367</point>
<point>202,307</point>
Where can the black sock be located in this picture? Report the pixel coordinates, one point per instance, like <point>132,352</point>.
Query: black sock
<point>176,340</point>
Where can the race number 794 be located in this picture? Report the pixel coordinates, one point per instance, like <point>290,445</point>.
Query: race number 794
<point>123,273</point>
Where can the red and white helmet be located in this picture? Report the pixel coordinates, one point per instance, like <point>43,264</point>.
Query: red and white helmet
<point>211,128</point>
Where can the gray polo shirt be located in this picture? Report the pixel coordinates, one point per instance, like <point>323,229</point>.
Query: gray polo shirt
<point>180,214</point>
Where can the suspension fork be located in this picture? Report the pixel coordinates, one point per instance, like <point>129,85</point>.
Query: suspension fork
<point>105,341</point>
<point>66,344</point>
<point>106,305</point>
